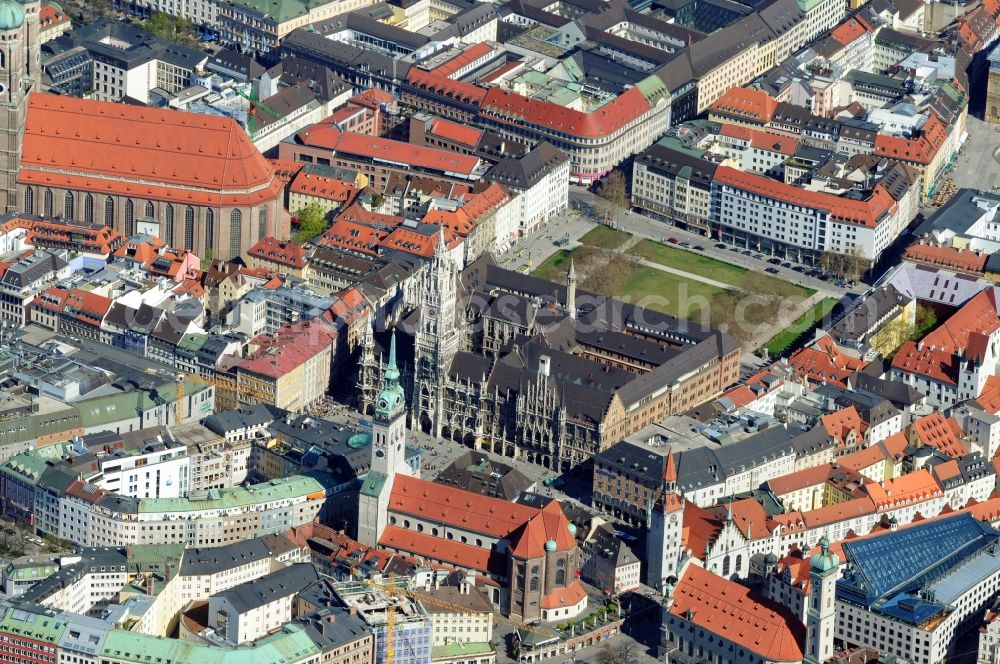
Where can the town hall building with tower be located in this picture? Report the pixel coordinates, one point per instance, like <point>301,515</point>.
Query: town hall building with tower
<point>537,370</point>
<point>530,552</point>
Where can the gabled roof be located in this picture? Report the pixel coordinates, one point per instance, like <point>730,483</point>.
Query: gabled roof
<point>101,146</point>
<point>725,608</point>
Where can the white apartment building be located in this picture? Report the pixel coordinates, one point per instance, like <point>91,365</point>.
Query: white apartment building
<point>158,470</point>
<point>472,624</point>
<point>539,184</point>
<point>256,608</point>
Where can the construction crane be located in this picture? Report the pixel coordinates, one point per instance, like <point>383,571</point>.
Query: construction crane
<point>256,103</point>
<point>394,589</point>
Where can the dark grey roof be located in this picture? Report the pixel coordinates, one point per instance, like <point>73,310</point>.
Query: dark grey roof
<point>476,472</point>
<point>204,561</point>
<point>959,213</point>
<point>142,46</point>
<point>524,173</point>
<point>358,22</point>
<point>242,418</point>
<point>899,394</point>
<point>229,61</point>
<point>672,163</point>
<point>38,266</point>
<point>285,582</point>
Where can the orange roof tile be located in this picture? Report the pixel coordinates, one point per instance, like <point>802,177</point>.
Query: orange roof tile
<point>823,362</point>
<point>459,133</point>
<point>86,306</point>
<point>463,59</point>
<point>728,609</point>
<point>441,550</point>
<point>352,236</point>
<point>763,140</point>
<point>372,98</point>
<point>320,186</point>
<point>746,103</point>
<point>288,348</point>
<point>950,257</point>
<point>848,31</point>
<point>51,299</point>
<point>915,487</point>
<point>419,244</point>
<point>989,400</point>
<point>101,146</point>
<point>456,507</point>
<point>867,212</point>
<point>920,149</point>
<point>839,424</point>
<point>515,109</point>
<point>940,432</point>
<point>560,598</point>
<point>277,251</point>
<point>439,84</point>
<point>398,152</point>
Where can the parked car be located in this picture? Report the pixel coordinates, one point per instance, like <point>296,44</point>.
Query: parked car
<point>786,265</point>
<point>720,245</point>
<point>685,244</point>
<point>698,247</point>
<point>798,268</point>
<point>673,240</point>
<point>772,270</point>
<point>747,252</point>
<point>774,261</point>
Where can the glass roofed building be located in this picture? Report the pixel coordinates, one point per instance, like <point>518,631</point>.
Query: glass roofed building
<point>911,591</point>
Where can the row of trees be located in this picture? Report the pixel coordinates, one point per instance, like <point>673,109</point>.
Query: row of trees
<point>850,266</point>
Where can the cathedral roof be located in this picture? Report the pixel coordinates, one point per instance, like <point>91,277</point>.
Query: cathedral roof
<point>548,530</point>
<point>133,150</point>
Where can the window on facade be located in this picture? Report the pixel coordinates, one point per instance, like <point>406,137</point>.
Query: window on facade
<point>534,583</point>
<point>235,233</point>
<point>209,229</point>
<point>29,201</point>
<point>109,211</point>
<point>88,208</point>
<point>560,577</point>
<point>262,223</point>
<point>150,212</point>
<point>47,202</point>
<point>168,224</point>
<point>129,218</point>
<point>189,228</point>
<point>68,208</point>
<point>725,566</point>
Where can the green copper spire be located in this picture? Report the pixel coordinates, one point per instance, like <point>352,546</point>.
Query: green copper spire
<point>391,398</point>
<point>391,371</point>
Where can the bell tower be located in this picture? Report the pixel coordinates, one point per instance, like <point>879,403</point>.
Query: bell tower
<point>388,454</point>
<point>15,85</point>
<point>664,543</point>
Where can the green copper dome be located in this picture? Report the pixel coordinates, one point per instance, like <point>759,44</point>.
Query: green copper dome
<point>825,561</point>
<point>551,545</point>
<point>11,15</point>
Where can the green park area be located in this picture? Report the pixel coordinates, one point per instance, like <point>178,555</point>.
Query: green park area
<point>805,324</point>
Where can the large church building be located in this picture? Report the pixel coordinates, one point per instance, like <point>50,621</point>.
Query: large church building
<point>196,181</point>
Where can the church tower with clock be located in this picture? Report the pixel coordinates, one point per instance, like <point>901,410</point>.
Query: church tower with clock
<point>664,542</point>
<point>388,454</point>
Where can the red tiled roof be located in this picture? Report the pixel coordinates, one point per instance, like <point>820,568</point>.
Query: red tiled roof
<point>459,133</point>
<point>561,598</point>
<point>727,609</point>
<point>87,238</point>
<point>361,215</point>
<point>372,98</point>
<point>844,210</point>
<point>87,306</point>
<point>848,31</point>
<point>463,59</point>
<point>824,362</point>
<point>920,149</point>
<point>51,15</point>
<point>52,299</point>
<point>419,244</point>
<point>957,259</point>
<point>989,400</point>
<point>517,109</point>
<point>384,149</point>
<point>457,507</point>
<point>915,487</point>
<point>839,424</point>
<point>940,432</point>
<point>443,85</point>
<point>101,146</point>
<point>934,363</point>
<point>441,550</point>
<point>741,132</point>
<point>499,72</point>
<point>746,103</point>
<point>276,251</point>
<point>289,347</point>
<point>763,140</point>
<point>353,236</point>
<point>977,316</point>
<point>549,524</point>
<point>320,186</point>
